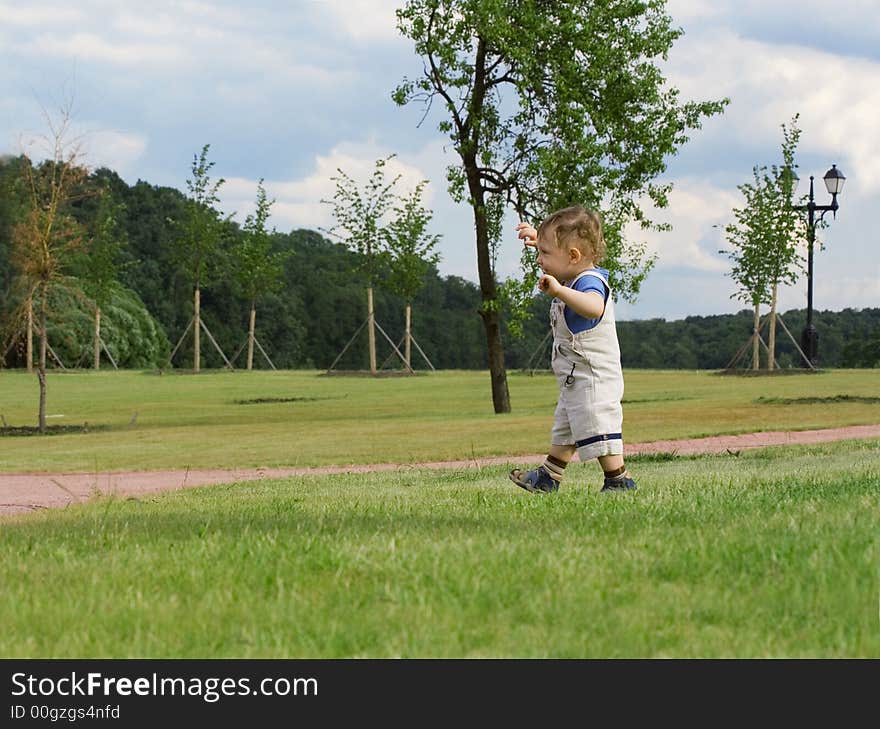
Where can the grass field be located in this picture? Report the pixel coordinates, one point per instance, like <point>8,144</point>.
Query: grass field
<point>141,420</point>
<point>770,554</point>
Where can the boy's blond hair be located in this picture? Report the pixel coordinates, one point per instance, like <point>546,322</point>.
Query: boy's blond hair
<point>578,228</point>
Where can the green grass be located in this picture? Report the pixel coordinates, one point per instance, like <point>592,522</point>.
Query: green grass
<point>294,418</point>
<point>770,554</point>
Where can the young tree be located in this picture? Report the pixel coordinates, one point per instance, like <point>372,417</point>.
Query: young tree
<point>201,236</point>
<point>411,254</point>
<point>747,237</point>
<point>548,103</point>
<point>359,213</point>
<point>785,225</point>
<point>764,237</point>
<point>44,241</point>
<point>98,269</point>
<point>256,269</point>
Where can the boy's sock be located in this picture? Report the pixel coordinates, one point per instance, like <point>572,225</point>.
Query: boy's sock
<point>617,474</point>
<point>618,480</point>
<point>555,467</point>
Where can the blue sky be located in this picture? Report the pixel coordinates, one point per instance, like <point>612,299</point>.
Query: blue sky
<point>289,91</point>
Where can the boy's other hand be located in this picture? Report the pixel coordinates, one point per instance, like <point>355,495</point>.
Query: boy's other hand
<point>527,234</point>
<point>549,284</point>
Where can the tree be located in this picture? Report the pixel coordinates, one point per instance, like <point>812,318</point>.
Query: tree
<point>201,236</point>
<point>748,269</point>
<point>411,254</point>
<point>785,224</point>
<point>256,269</point>
<point>98,268</point>
<point>548,103</point>
<point>44,241</point>
<point>764,238</point>
<point>359,213</point>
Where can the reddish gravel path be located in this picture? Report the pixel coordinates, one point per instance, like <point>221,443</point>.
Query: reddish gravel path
<point>30,491</point>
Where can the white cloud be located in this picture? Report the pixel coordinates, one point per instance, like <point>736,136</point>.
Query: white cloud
<point>88,46</point>
<point>114,149</point>
<point>38,16</point>
<point>689,10</point>
<point>298,202</point>
<point>695,206</point>
<point>838,98</point>
<point>363,20</point>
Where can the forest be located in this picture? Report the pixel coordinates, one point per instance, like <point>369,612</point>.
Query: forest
<point>320,305</point>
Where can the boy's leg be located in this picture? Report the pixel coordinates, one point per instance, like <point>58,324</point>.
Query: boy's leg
<point>558,457</point>
<point>546,477</point>
<point>617,478</point>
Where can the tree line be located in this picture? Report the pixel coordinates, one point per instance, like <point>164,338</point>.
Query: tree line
<point>317,308</point>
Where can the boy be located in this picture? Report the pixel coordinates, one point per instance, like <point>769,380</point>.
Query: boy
<point>586,354</point>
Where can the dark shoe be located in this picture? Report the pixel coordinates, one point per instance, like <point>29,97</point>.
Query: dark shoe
<point>538,481</point>
<point>619,484</point>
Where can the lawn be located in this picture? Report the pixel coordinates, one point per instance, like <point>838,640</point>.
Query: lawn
<point>773,553</point>
<point>143,420</point>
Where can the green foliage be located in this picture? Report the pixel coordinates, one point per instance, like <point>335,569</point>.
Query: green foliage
<point>12,205</point>
<point>765,232</point>
<point>554,103</point>
<point>410,246</point>
<point>319,305</point>
<point>255,268</point>
<point>359,212</point>
<point>517,294</point>
<point>134,339</point>
<point>98,266</point>
<point>847,339</point>
<point>201,229</point>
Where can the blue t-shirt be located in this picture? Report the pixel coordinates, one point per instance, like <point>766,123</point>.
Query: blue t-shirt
<point>577,323</point>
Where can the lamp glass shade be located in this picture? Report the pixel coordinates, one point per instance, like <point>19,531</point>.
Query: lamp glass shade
<point>834,180</point>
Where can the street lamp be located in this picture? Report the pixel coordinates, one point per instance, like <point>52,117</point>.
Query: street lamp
<point>834,180</point>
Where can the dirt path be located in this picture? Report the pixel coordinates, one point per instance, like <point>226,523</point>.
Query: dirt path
<point>30,491</point>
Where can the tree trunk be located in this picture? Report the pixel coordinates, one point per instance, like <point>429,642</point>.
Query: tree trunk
<point>408,347</point>
<point>250,357</point>
<point>97,337</point>
<point>756,352</point>
<point>771,357</point>
<point>41,368</point>
<point>469,145</point>
<point>196,327</point>
<point>29,336</point>
<point>371,329</point>
<point>489,294</point>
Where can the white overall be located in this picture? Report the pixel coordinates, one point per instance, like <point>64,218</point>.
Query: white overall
<point>588,414</point>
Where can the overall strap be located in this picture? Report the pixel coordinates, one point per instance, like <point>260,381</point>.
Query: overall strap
<point>590,272</point>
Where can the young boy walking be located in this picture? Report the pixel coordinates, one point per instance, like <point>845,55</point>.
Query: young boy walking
<point>586,354</point>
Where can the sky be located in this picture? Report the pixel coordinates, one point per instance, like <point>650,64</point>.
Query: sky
<point>293,90</point>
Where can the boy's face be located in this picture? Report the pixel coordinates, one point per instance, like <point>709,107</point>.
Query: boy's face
<point>558,262</point>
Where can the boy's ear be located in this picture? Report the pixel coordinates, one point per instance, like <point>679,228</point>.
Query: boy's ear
<point>575,255</point>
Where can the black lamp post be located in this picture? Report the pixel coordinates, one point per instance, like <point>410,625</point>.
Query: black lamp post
<point>834,180</point>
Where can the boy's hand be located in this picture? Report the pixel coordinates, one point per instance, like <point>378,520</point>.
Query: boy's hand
<point>549,285</point>
<point>527,234</point>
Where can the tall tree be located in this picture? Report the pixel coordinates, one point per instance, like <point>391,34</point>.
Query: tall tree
<point>411,254</point>
<point>45,240</point>
<point>360,211</point>
<point>548,103</point>
<point>764,238</point>
<point>201,236</point>
<point>256,269</point>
